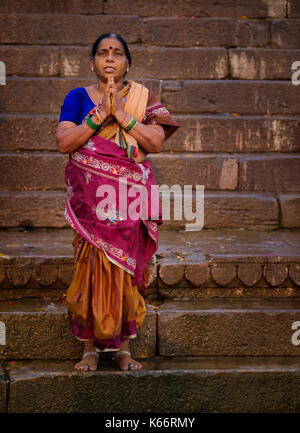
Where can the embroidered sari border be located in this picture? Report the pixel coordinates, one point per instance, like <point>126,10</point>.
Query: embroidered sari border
<point>107,248</point>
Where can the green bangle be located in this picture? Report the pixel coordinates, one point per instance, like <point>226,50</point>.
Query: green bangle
<point>132,124</point>
<point>91,124</point>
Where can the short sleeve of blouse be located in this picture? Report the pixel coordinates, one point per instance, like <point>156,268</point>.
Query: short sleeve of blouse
<point>70,110</point>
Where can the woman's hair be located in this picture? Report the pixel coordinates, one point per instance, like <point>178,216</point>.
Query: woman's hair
<point>111,35</point>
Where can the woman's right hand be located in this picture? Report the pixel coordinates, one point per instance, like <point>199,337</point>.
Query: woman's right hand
<point>106,100</point>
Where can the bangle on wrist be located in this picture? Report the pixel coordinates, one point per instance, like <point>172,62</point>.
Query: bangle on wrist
<point>91,124</point>
<point>98,115</point>
<point>131,125</point>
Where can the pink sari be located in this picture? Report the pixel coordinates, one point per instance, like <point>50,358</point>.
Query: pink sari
<point>126,242</point>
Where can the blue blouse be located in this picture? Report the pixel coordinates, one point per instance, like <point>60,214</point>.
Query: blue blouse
<point>76,106</point>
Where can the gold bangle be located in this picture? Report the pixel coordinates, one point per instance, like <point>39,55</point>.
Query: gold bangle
<point>98,115</point>
<point>131,117</point>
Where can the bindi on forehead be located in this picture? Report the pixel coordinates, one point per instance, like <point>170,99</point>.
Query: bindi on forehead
<point>111,48</point>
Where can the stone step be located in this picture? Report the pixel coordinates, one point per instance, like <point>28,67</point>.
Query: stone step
<point>229,327</point>
<point>262,64</point>
<point>240,172</point>
<point>187,265</point>
<point>198,133</point>
<point>52,89</point>
<point>147,62</point>
<point>172,31</point>
<point>235,210</point>
<point>50,7</point>
<point>161,31</point>
<point>153,61</point>
<point>207,327</point>
<point>232,97</point>
<point>179,385</point>
<point>27,323</point>
<point>150,8</point>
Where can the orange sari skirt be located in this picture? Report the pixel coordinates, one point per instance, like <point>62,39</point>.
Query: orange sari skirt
<point>102,303</point>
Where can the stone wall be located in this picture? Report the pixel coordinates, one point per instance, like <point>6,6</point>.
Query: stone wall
<point>223,70</point>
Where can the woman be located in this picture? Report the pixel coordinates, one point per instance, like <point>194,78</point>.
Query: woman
<point>107,129</point>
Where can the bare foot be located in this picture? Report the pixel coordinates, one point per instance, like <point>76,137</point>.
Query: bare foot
<point>125,362</point>
<point>89,361</point>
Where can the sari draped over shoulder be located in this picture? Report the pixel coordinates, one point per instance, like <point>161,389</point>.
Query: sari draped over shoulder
<point>113,206</point>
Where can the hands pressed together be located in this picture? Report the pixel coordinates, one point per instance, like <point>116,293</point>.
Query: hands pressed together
<point>111,103</point>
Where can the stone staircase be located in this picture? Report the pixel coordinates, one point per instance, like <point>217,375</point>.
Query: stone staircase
<point>220,333</point>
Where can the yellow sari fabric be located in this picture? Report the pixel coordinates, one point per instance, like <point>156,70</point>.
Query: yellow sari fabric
<point>101,301</point>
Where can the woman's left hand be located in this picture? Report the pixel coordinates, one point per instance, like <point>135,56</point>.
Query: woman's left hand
<point>116,106</point>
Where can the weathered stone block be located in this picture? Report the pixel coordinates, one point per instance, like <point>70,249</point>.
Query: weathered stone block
<point>197,274</point>
<point>170,273</point>
<point>228,327</point>
<point>214,172</point>
<point>166,386</point>
<point>290,210</point>
<point>31,60</point>
<point>231,96</point>
<point>167,63</point>
<point>199,8</point>
<point>46,29</point>
<point>242,134</point>
<point>275,273</point>
<point>293,9</point>
<point>282,173</point>
<point>36,171</point>
<point>51,7</point>
<point>249,273</point>
<point>262,64</point>
<point>294,273</point>
<point>251,211</point>
<point>285,33</point>
<point>33,209</point>
<point>207,32</point>
<point>23,132</point>
<point>28,322</point>
<point>223,273</point>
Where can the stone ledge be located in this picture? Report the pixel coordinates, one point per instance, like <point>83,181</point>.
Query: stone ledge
<point>198,133</point>
<point>230,96</point>
<point>176,385</point>
<point>182,8</point>
<point>28,321</point>
<point>229,327</point>
<point>262,64</point>
<point>48,6</point>
<point>208,262</point>
<point>147,62</point>
<point>233,172</point>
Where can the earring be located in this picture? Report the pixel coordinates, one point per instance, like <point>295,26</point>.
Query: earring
<point>92,69</point>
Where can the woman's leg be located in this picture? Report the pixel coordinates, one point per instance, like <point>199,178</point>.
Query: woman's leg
<point>124,360</point>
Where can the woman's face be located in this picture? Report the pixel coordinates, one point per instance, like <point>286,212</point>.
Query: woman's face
<point>110,60</point>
